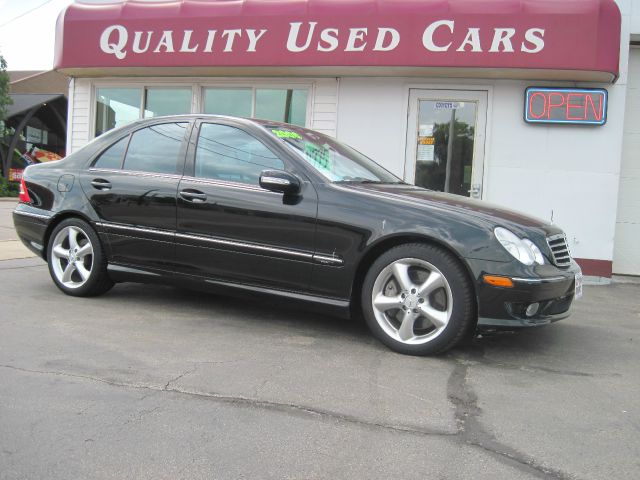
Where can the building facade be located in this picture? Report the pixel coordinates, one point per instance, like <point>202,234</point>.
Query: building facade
<point>517,103</point>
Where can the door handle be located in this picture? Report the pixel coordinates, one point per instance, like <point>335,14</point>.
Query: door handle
<point>195,196</point>
<point>101,184</point>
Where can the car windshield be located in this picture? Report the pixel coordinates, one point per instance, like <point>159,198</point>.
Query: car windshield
<point>336,161</point>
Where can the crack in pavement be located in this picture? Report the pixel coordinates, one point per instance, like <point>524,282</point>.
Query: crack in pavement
<point>459,392</point>
<point>173,380</point>
<point>487,362</point>
<point>18,268</point>
<point>471,431</point>
<point>137,417</point>
<point>253,402</point>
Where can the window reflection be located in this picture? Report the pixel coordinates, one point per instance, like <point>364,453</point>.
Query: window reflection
<point>228,153</point>
<point>116,107</point>
<point>155,149</point>
<point>112,157</point>
<point>167,101</point>
<point>289,106</point>
<point>228,101</point>
<point>446,135</point>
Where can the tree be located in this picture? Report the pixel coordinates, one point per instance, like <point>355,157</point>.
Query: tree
<point>5,100</point>
<point>4,89</point>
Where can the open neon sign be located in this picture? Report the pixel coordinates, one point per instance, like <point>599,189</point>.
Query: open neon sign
<point>581,106</point>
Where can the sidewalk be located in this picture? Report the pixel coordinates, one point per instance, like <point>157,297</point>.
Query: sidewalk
<point>10,247</point>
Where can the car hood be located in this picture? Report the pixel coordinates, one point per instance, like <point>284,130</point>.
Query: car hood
<point>487,212</point>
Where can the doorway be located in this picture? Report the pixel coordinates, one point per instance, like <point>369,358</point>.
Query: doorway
<point>445,140</point>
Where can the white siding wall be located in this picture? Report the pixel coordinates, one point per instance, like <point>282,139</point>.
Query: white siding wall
<point>79,114</point>
<point>324,114</point>
<point>626,258</point>
<point>568,170</point>
<point>373,118</point>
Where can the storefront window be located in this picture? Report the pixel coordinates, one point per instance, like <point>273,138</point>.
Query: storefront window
<point>288,106</point>
<point>167,101</point>
<point>228,101</point>
<point>282,105</point>
<point>116,107</point>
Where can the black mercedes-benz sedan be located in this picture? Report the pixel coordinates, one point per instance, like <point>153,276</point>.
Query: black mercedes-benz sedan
<point>261,207</point>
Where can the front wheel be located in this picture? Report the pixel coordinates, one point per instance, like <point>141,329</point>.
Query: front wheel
<point>417,299</point>
<point>77,264</point>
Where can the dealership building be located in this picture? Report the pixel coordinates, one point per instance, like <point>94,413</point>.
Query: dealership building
<point>527,104</point>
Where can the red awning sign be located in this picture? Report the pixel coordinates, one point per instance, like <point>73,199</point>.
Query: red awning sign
<point>580,36</point>
<point>119,41</point>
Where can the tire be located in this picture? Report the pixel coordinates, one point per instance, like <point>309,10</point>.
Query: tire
<point>76,259</point>
<point>417,300</point>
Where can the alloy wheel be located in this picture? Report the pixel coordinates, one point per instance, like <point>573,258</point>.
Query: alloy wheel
<point>72,257</point>
<point>412,301</point>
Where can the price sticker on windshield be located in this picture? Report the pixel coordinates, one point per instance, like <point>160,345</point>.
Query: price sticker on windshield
<point>320,156</point>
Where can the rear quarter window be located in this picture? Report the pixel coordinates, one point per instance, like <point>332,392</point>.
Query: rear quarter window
<point>111,158</point>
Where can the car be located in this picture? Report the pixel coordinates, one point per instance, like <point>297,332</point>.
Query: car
<point>258,208</point>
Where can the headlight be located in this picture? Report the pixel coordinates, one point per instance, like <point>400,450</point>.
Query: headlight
<point>537,254</point>
<point>523,250</point>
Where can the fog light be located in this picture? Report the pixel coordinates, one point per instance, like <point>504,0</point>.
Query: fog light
<point>532,309</point>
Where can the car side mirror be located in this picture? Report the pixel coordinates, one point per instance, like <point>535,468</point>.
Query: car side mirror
<point>280,181</point>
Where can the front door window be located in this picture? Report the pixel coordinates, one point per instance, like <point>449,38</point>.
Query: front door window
<point>230,154</point>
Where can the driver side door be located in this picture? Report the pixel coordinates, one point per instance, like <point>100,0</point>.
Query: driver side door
<point>230,229</point>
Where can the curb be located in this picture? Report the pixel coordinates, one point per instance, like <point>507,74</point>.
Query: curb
<point>9,199</point>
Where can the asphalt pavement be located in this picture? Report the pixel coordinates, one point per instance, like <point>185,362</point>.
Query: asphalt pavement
<point>162,383</point>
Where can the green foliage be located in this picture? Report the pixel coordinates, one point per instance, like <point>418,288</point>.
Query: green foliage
<point>5,100</point>
<point>4,88</point>
<point>8,189</point>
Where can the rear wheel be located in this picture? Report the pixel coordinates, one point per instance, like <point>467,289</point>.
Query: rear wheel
<point>77,264</point>
<point>417,299</point>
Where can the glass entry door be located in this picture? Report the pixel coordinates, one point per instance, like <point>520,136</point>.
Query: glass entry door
<point>445,141</point>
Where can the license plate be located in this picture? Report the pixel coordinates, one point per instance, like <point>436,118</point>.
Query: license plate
<point>578,292</point>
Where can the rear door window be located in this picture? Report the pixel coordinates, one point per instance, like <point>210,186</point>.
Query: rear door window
<point>157,149</point>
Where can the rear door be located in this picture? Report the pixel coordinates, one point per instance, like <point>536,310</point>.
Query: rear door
<point>231,229</point>
<point>132,186</point>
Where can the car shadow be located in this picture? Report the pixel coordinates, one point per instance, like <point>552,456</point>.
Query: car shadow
<point>244,311</point>
<point>248,312</point>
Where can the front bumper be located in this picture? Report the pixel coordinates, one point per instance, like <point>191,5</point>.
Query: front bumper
<point>548,290</point>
